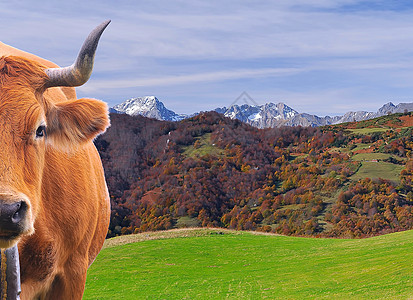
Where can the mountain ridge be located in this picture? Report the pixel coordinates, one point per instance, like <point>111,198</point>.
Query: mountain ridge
<point>148,106</point>
<point>268,115</point>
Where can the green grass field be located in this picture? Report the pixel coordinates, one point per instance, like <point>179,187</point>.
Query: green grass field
<point>361,146</point>
<point>371,156</point>
<point>380,169</point>
<point>204,146</point>
<point>218,264</point>
<point>369,130</point>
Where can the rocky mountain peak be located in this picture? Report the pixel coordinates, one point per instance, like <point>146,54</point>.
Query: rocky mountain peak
<point>261,116</point>
<point>148,106</point>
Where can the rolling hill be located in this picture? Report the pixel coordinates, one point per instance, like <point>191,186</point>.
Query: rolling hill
<point>346,180</point>
<point>222,264</point>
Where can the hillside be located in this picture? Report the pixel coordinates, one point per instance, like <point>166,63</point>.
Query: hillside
<point>347,180</point>
<point>220,264</point>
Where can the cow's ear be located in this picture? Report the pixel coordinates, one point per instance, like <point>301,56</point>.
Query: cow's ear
<point>72,123</point>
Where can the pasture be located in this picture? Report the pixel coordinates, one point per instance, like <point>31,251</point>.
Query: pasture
<point>379,169</point>
<point>220,264</point>
<point>202,146</point>
<point>371,156</point>
<point>369,130</point>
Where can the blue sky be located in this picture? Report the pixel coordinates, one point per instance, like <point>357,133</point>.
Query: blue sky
<point>322,57</point>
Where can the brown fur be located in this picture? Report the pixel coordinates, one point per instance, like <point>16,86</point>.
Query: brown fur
<point>75,122</point>
<point>61,176</point>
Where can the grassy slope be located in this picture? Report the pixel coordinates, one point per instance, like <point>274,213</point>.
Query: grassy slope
<point>203,264</point>
<point>205,146</point>
<point>368,130</point>
<point>379,170</point>
<point>369,168</point>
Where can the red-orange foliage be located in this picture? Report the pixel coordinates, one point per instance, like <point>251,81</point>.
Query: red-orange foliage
<point>272,180</point>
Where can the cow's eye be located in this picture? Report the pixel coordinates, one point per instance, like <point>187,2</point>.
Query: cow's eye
<point>41,131</point>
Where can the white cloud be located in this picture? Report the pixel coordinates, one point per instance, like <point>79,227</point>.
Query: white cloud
<point>190,44</point>
<point>279,31</point>
<point>188,79</point>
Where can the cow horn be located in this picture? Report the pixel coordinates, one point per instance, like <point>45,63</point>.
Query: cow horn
<point>78,73</point>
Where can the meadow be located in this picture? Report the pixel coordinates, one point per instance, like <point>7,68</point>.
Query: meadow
<point>372,169</point>
<point>222,264</point>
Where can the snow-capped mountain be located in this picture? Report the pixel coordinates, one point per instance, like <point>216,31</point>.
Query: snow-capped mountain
<point>276,115</point>
<point>390,108</point>
<point>307,120</point>
<point>149,107</point>
<point>354,116</point>
<point>261,116</point>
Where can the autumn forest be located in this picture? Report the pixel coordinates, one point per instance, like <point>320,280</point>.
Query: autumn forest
<point>350,180</point>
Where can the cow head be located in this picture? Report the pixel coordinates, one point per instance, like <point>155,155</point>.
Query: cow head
<point>30,122</point>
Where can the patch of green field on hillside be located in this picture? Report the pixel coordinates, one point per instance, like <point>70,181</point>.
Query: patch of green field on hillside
<point>361,146</point>
<point>371,156</point>
<point>291,207</point>
<point>233,265</point>
<point>187,221</point>
<point>380,169</point>
<point>368,130</point>
<point>201,147</point>
<point>328,201</point>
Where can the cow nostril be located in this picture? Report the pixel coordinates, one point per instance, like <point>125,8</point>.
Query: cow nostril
<point>19,209</point>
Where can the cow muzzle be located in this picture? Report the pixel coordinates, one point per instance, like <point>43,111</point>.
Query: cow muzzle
<point>14,221</point>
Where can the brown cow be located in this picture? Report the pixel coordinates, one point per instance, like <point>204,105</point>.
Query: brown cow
<point>53,197</point>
